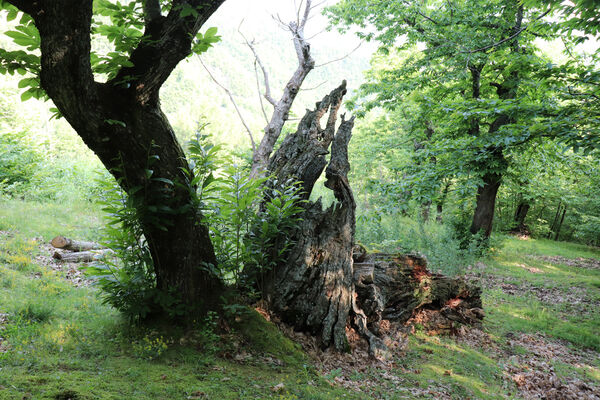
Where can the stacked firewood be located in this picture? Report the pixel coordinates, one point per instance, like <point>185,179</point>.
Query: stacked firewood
<point>69,250</point>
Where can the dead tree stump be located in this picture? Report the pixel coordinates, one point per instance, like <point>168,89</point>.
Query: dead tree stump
<point>318,287</point>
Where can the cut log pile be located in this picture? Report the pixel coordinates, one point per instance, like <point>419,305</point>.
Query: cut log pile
<point>69,250</point>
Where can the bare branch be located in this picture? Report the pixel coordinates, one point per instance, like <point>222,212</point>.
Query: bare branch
<point>262,67</point>
<point>314,87</point>
<point>260,97</point>
<point>341,58</point>
<point>302,23</point>
<point>232,102</point>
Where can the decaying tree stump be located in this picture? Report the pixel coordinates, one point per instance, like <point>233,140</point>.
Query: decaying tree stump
<point>320,287</point>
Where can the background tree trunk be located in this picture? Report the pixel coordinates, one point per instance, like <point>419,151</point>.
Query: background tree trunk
<point>485,205</point>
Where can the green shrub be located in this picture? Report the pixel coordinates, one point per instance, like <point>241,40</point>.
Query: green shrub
<point>19,163</point>
<point>243,232</point>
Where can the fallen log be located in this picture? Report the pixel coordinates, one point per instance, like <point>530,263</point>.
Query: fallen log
<point>61,242</point>
<point>399,288</point>
<point>82,256</point>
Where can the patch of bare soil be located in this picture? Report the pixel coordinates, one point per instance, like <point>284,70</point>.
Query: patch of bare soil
<point>580,262</point>
<point>534,374</point>
<point>348,370</point>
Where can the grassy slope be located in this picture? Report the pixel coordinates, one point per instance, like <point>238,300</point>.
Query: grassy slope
<point>61,342</point>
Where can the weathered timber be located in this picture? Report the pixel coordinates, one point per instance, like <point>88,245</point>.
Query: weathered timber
<point>82,256</point>
<point>312,289</point>
<point>326,282</point>
<point>61,242</point>
<point>401,286</point>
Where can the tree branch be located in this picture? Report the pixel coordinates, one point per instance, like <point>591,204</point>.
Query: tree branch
<point>168,40</point>
<point>30,7</point>
<point>341,58</point>
<point>151,11</point>
<point>257,59</point>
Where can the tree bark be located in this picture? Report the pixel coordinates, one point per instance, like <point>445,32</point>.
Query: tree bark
<point>560,223</point>
<point>122,123</point>
<point>318,288</point>
<point>312,289</point>
<point>440,203</point>
<point>520,216</point>
<point>496,163</point>
<point>82,256</point>
<point>397,287</point>
<point>483,216</point>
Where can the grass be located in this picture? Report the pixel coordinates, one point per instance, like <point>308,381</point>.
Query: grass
<point>60,341</point>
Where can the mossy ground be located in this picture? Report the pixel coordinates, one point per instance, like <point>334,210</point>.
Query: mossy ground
<point>60,341</point>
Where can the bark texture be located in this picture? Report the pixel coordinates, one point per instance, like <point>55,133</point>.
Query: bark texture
<point>486,204</point>
<point>398,287</point>
<point>122,123</point>
<point>313,288</point>
<point>520,216</point>
<point>82,256</point>
<point>326,285</point>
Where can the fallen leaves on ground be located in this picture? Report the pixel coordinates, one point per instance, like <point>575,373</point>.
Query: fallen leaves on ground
<point>534,372</point>
<point>579,262</point>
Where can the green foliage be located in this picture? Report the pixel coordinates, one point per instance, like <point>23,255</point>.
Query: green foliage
<point>244,232</point>
<point>19,161</point>
<point>149,347</point>
<point>128,281</point>
<point>441,246</point>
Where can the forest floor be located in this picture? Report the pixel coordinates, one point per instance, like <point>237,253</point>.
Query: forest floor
<point>540,337</point>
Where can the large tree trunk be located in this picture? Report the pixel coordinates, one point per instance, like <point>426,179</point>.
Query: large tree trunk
<point>483,216</point>
<point>314,289</point>
<point>121,121</point>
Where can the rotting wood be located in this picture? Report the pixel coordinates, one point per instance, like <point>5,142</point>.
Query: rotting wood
<point>327,282</point>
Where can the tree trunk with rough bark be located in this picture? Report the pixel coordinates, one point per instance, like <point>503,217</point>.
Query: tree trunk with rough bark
<point>483,216</point>
<point>122,123</point>
<point>318,288</point>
